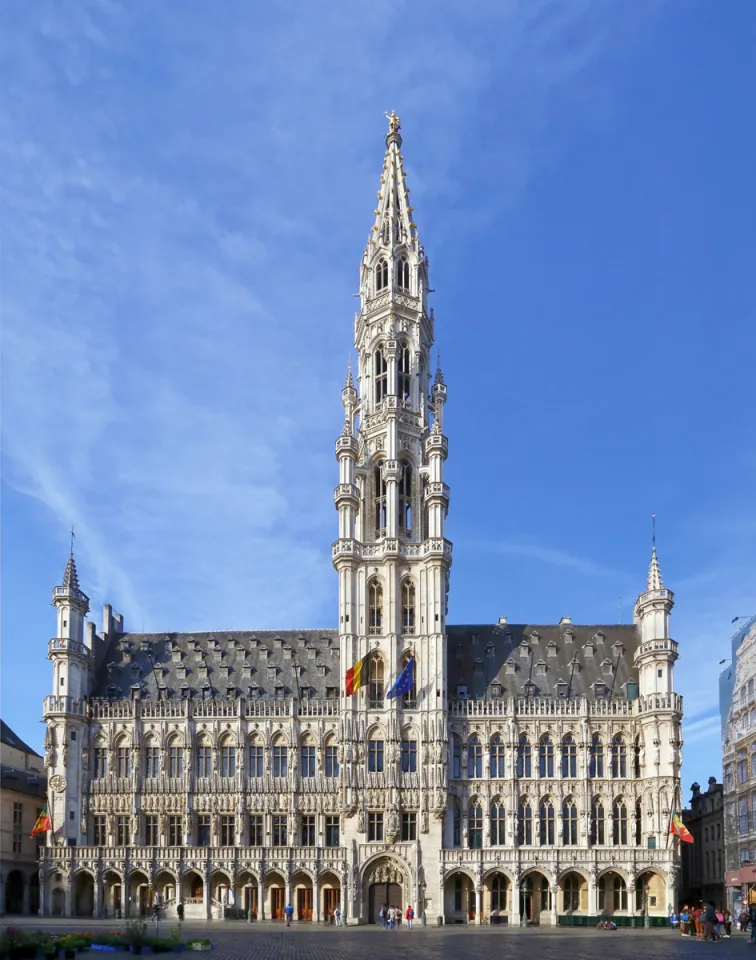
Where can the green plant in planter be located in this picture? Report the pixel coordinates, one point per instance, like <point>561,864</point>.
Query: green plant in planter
<point>135,935</point>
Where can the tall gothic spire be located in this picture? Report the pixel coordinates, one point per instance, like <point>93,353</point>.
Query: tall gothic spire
<point>71,576</point>
<point>393,224</point>
<point>654,581</point>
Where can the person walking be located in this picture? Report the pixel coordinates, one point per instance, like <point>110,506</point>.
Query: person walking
<point>180,911</point>
<point>727,924</point>
<point>409,916</point>
<point>752,922</point>
<point>337,916</point>
<point>391,917</point>
<point>684,921</point>
<point>288,913</point>
<point>383,915</point>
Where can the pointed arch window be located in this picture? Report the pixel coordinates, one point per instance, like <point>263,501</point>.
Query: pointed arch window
<point>524,757</point>
<point>619,826</point>
<point>619,758</point>
<point>456,746</point>
<point>525,823</point>
<point>636,758</point>
<point>569,822</point>
<point>123,760</point>
<point>404,373</point>
<point>475,826</point>
<point>375,685</point>
<point>612,893</point>
<point>381,275</point>
<point>598,823</point>
<point>380,374</point>
<point>152,760</point>
<point>638,823</point>
<point>571,893</point>
<point>475,757</point>
<point>403,273</point>
<point>546,757</point>
<point>379,502</point>
<point>409,700</point>
<point>405,500</point>
<point>569,756</point>
<point>498,824</point>
<point>375,607</point>
<point>408,607</point>
<point>497,757</point>
<point>547,829</point>
<point>456,825</point>
<point>385,231</point>
<point>596,766</point>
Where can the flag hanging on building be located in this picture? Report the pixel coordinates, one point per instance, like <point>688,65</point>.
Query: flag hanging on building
<point>405,682</point>
<point>43,823</point>
<point>357,676</point>
<point>678,829</point>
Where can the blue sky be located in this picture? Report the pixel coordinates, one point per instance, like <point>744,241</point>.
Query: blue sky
<point>185,201</point>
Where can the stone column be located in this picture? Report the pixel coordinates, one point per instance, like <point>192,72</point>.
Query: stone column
<point>316,901</point>
<point>592,895</point>
<point>68,901</point>
<point>288,891</point>
<point>97,898</point>
<point>124,896</point>
<point>478,906</point>
<point>261,896</point>
<point>514,912</point>
<point>554,904</point>
<point>207,895</point>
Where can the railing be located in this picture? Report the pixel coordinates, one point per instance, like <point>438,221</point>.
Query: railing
<point>62,855</point>
<point>66,645</point>
<point>112,709</point>
<point>59,704</point>
<point>567,707</point>
<point>660,701</point>
<point>558,854</point>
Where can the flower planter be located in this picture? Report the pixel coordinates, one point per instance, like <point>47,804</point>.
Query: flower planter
<point>106,947</point>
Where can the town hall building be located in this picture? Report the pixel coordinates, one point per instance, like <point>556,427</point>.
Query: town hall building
<point>527,773</point>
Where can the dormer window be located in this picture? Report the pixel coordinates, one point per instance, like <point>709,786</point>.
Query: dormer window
<point>184,690</point>
<point>599,688</point>
<point>181,671</point>
<point>552,648</point>
<point>277,643</point>
<point>279,691</point>
<point>589,649</point>
<point>561,688</point>
<point>403,273</point>
<point>312,652</point>
<point>535,636</point>
<point>496,689</point>
<point>381,275</point>
<point>510,667</point>
<point>254,692</point>
<point>524,651</point>
<point>617,648</point>
<point>568,636</point>
<point>607,668</point>
<point>529,689</point>
<point>271,671</point>
<point>540,668</point>
<point>599,636</point>
<point>246,671</point>
<point>321,668</point>
<point>231,691</point>
<point>462,691</point>
<point>287,652</point>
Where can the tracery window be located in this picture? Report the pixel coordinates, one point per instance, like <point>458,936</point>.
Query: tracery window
<point>569,822</point>
<point>569,756</point>
<point>152,761</point>
<point>123,761</point>
<point>619,757</point>
<point>497,757</point>
<point>307,760</point>
<point>403,273</point>
<point>742,767</point>
<point>375,610</point>
<point>280,760</point>
<point>404,373</point>
<point>598,823</point>
<point>475,826</point>
<point>547,828</point>
<point>524,757</point>
<point>474,757</point>
<point>381,275</point>
<point>406,486</point>
<point>379,501</point>
<point>375,683</point>
<point>256,760</point>
<point>456,825</point>
<point>380,374</point>
<point>456,757</point>
<point>375,756</point>
<point>546,757</point>
<point>409,756</point>
<point>100,759</point>
<point>571,893</point>
<point>409,700</point>
<point>619,826</point>
<point>228,761</point>
<point>525,823</point>
<point>498,824</point>
<point>408,607</point>
<point>596,768</point>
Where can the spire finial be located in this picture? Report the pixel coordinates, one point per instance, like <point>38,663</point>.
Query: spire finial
<point>72,540</point>
<point>654,580</point>
<point>349,382</point>
<point>653,531</point>
<point>395,124</point>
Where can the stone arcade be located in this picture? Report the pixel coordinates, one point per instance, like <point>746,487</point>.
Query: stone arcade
<point>528,776</point>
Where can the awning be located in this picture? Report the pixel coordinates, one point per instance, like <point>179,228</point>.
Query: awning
<point>734,878</point>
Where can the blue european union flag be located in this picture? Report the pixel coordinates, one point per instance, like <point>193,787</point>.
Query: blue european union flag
<point>404,682</point>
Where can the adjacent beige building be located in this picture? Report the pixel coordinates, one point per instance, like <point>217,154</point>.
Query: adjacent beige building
<point>703,860</point>
<point>526,775</point>
<point>23,789</point>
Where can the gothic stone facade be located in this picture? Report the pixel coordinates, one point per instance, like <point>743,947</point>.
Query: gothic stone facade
<point>528,775</point>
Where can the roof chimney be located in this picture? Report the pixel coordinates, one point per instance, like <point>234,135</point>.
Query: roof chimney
<point>502,621</point>
<point>564,621</point>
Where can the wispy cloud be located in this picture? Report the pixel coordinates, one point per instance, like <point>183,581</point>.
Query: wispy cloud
<point>553,556</point>
<point>183,199</point>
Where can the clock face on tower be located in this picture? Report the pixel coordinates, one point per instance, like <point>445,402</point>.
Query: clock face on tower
<point>58,783</point>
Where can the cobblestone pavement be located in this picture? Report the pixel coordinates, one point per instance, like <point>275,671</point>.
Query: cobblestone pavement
<point>268,941</point>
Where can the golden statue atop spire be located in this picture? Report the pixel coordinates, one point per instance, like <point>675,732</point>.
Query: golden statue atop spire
<point>395,124</point>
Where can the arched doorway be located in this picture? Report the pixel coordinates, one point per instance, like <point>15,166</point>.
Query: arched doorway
<point>221,890</point>
<point>612,894</point>
<point>301,891</point>
<point>384,886</point>
<point>496,892</point>
<point>165,889</point>
<point>34,894</point>
<point>459,898</point>
<point>58,905</point>
<point>14,892</point>
<point>275,895</point>
<point>84,895</point>
<point>113,894</point>
<point>248,888</point>
<point>573,890</point>
<point>330,893</point>
<point>139,895</point>
<point>535,898</point>
<point>650,895</point>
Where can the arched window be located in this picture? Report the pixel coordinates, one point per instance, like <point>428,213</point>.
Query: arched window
<point>598,823</point>
<point>409,700</point>
<point>475,825</point>
<point>123,759</point>
<point>256,758</point>
<point>403,273</point>
<point>228,759</point>
<point>742,766</point>
<point>525,823</point>
<point>405,500</point>
<point>497,757</point>
<point>569,822</point>
<point>499,892</point>
<point>375,607</point>
<point>379,502</point>
<point>546,757</point>
<point>638,823</point>
<point>547,833</point>
<point>456,746</point>
<point>385,231</point>
<point>619,827</point>
<point>152,759</point>
<point>175,758</point>
<point>636,758</point>
<point>524,757</point>
<point>474,757</point>
<point>376,743</point>
<point>375,685</point>
<point>381,275</point>
<point>619,758</point>
<point>380,374</point>
<point>404,374</point>
<point>408,607</point>
<point>569,756</point>
<point>571,893</point>
<point>456,825</point>
<point>498,824</point>
<point>619,893</point>
<point>596,767</point>
<point>307,752</point>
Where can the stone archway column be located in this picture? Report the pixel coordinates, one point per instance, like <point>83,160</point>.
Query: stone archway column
<point>315,901</point>
<point>554,904</point>
<point>26,899</point>
<point>68,896</point>
<point>287,895</point>
<point>261,896</point>
<point>478,906</point>
<point>125,896</point>
<point>208,897</point>
<point>97,894</point>
<point>592,895</point>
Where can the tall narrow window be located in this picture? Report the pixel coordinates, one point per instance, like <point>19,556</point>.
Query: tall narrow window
<point>497,757</point>
<point>403,273</point>
<point>100,830</point>
<point>596,768</point>
<point>619,757</point>
<point>256,829</point>
<point>280,760</point>
<point>375,684</point>
<point>456,757</point>
<point>227,829</point>
<point>380,374</point>
<point>280,830</point>
<point>546,757</point>
<point>203,830</point>
<point>598,823</point>
<point>525,823</point>
<point>375,756</point>
<point>175,830</point>
<point>151,830</point>
<point>124,761</point>
<point>228,760</point>
<point>175,761</point>
<point>456,826</point>
<point>381,275</point>
<point>123,831</point>
<point>408,607</point>
<point>307,760</point>
<point>547,833</point>
<point>307,830</point>
<point>379,501</point>
<point>475,826</point>
<point>256,760</point>
<point>204,760</point>
<point>620,823</point>
<point>569,822</point>
<point>375,609</point>
<point>152,761</point>
<point>569,756</point>
<point>524,757</point>
<point>409,700</point>
<point>638,823</point>
<point>405,500</point>
<point>498,824</point>
<point>474,757</point>
<point>409,756</point>
<point>332,761</point>
<point>100,762</point>
<point>404,374</point>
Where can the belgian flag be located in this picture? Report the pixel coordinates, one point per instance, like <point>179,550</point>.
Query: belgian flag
<point>357,676</point>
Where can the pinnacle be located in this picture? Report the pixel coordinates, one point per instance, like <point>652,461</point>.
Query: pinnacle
<point>393,225</point>
<point>654,581</point>
<point>71,576</point>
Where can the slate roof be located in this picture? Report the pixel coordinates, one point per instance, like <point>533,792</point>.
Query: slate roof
<point>23,781</point>
<point>557,660</point>
<point>9,738</point>
<point>564,660</point>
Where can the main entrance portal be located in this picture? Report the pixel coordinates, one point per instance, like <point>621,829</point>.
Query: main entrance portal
<point>385,885</point>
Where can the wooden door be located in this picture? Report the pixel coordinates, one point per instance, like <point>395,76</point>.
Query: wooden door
<point>304,903</point>
<point>330,902</point>
<point>471,905</point>
<point>250,900</point>
<point>383,895</point>
<point>277,896</point>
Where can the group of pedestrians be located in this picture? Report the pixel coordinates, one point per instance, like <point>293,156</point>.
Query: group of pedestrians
<point>391,917</point>
<point>704,921</point>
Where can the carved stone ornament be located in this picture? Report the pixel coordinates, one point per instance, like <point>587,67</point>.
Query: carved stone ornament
<point>58,783</point>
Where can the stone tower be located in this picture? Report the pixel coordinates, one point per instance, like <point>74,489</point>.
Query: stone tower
<point>392,557</point>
